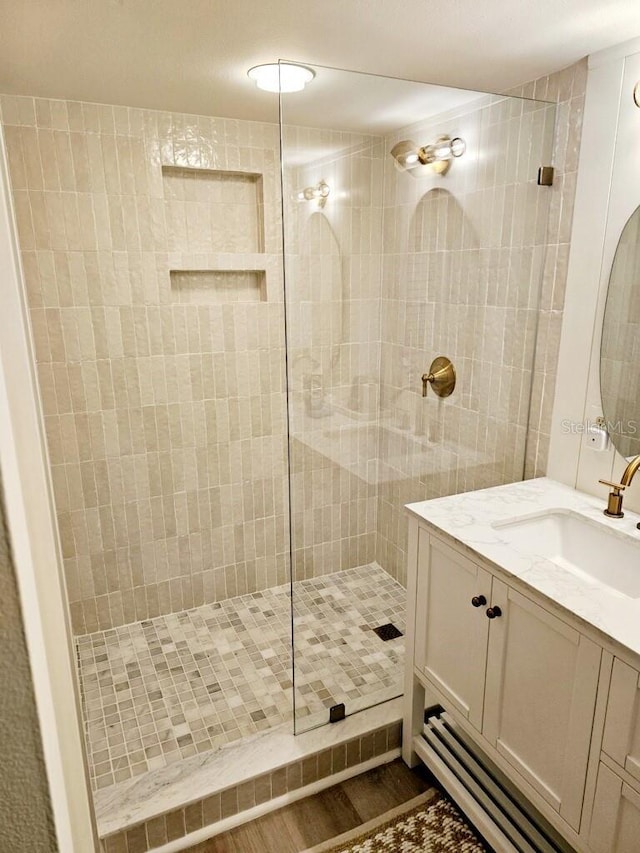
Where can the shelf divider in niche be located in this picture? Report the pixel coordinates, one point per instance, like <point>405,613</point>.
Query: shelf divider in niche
<point>215,287</point>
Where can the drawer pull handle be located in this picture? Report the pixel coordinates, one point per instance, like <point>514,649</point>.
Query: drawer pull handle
<point>493,612</point>
<point>478,601</point>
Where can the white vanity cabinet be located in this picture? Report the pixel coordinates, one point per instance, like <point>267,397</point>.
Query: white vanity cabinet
<point>540,695</point>
<point>615,821</point>
<point>621,740</point>
<point>452,633</point>
<point>523,679</point>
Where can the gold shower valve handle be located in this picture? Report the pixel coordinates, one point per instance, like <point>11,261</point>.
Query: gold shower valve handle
<point>430,378</point>
<point>441,377</point>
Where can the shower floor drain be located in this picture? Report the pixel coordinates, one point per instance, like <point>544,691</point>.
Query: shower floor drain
<point>387,632</point>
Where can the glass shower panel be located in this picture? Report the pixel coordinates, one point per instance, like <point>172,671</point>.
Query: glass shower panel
<point>413,228</point>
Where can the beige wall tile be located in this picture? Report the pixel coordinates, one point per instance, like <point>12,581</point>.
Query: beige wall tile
<point>130,370</point>
<point>466,284</point>
<point>165,413</point>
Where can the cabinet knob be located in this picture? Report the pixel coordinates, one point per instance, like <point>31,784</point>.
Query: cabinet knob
<point>478,601</point>
<point>493,612</point>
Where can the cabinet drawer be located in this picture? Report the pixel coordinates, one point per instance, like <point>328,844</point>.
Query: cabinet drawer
<point>621,740</point>
<point>615,821</point>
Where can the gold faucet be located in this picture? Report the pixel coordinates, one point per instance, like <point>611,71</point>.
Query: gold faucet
<point>614,504</point>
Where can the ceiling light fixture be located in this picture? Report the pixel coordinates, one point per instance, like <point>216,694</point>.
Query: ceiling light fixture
<point>281,76</point>
<point>438,156</point>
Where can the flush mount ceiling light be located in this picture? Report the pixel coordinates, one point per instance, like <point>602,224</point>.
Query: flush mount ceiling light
<point>281,76</point>
<point>438,156</point>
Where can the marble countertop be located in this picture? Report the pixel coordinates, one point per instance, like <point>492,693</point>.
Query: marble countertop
<point>469,518</point>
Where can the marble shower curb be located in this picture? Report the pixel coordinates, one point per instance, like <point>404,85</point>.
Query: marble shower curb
<point>139,817</point>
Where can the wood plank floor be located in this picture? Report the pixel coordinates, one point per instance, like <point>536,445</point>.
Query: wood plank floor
<point>324,815</point>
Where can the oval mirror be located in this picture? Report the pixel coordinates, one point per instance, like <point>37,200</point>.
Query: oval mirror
<point>620,348</point>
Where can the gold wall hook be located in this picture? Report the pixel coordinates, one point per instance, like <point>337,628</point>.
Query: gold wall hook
<point>441,377</point>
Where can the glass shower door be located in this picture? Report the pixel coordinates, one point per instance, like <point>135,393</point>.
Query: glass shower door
<point>413,228</point>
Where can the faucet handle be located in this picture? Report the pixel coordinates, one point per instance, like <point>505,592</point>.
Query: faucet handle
<point>618,486</point>
<point>614,504</point>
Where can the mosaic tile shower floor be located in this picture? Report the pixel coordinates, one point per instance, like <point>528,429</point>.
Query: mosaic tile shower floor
<point>158,691</point>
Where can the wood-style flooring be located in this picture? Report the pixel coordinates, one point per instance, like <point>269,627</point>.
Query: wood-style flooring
<point>325,815</point>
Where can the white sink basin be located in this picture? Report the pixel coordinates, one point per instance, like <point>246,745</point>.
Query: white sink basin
<point>582,546</point>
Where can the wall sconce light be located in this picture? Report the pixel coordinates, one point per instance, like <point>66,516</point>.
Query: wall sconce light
<point>437,156</point>
<point>319,193</point>
<point>636,94</point>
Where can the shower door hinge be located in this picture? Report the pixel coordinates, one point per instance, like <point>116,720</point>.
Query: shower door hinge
<point>545,176</point>
<point>337,713</point>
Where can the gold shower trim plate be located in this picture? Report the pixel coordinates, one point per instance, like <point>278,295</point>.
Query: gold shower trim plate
<point>441,377</point>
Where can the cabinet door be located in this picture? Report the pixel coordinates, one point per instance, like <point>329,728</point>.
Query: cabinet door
<point>542,678</point>
<point>615,823</point>
<point>621,739</point>
<point>451,634</point>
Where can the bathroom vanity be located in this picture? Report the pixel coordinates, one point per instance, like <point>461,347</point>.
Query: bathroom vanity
<point>524,628</point>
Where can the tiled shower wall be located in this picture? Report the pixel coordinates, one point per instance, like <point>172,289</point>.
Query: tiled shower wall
<point>164,406</point>
<point>151,245</point>
<point>464,256</point>
<point>567,88</point>
<point>164,394</point>
<point>333,266</point>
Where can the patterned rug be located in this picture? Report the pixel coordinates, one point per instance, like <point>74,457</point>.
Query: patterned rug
<point>427,824</point>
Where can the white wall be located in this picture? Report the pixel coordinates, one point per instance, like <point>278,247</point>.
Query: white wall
<point>607,193</point>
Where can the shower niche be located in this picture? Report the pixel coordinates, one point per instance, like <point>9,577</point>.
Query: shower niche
<point>215,227</point>
<point>209,287</point>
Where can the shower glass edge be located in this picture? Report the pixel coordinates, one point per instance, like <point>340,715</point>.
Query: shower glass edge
<point>387,265</point>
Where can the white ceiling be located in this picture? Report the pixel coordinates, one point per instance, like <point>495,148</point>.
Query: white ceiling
<point>366,103</point>
<point>192,55</point>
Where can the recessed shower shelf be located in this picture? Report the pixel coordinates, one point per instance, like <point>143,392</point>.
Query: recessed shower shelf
<point>214,210</point>
<point>218,286</point>
<point>222,277</point>
<point>216,235</point>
